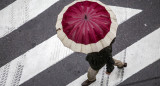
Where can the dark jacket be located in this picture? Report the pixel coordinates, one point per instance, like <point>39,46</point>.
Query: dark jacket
<point>98,59</point>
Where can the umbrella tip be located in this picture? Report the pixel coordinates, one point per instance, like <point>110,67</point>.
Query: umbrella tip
<point>85,17</point>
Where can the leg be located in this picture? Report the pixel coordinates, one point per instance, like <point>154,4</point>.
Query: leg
<point>91,77</point>
<point>92,74</point>
<point>119,64</point>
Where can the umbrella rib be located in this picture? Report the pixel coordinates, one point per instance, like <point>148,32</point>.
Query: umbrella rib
<point>95,39</point>
<point>96,25</point>
<point>103,22</point>
<point>75,21</point>
<point>80,31</point>
<point>78,9</point>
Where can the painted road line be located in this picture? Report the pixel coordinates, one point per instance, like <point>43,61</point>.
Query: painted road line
<point>123,13</point>
<point>14,72</point>
<point>20,12</point>
<point>43,56</point>
<point>79,81</point>
<point>4,74</point>
<point>5,3</point>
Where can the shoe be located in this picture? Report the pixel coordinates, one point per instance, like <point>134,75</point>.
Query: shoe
<point>125,65</point>
<point>87,82</point>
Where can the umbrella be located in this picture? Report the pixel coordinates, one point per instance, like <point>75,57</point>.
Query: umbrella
<point>86,26</point>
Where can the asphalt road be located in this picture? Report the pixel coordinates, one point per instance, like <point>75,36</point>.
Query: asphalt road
<point>42,27</point>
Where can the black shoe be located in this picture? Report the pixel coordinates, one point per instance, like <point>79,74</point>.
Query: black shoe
<point>87,82</point>
<point>125,65</point>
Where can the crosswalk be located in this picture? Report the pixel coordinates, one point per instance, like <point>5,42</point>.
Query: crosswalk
<point>43,59</point>
<point>49,52</point>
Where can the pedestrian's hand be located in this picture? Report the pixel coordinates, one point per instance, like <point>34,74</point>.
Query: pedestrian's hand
<point>108,73</point>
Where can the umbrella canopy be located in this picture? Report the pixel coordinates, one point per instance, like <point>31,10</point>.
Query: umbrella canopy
<point>86,26</point>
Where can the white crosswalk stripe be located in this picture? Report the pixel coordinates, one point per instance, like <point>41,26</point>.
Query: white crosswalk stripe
<point>20,12</point>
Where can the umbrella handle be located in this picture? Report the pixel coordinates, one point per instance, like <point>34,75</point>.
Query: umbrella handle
<point>58,29</point>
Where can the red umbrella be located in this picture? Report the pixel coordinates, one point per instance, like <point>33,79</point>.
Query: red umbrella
<point>86,26</point>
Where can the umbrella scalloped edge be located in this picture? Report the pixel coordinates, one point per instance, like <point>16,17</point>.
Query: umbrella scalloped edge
<point>93,47</point>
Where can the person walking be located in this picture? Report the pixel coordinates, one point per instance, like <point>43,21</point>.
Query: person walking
<point>89,26</point>
<point>97,60</point>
